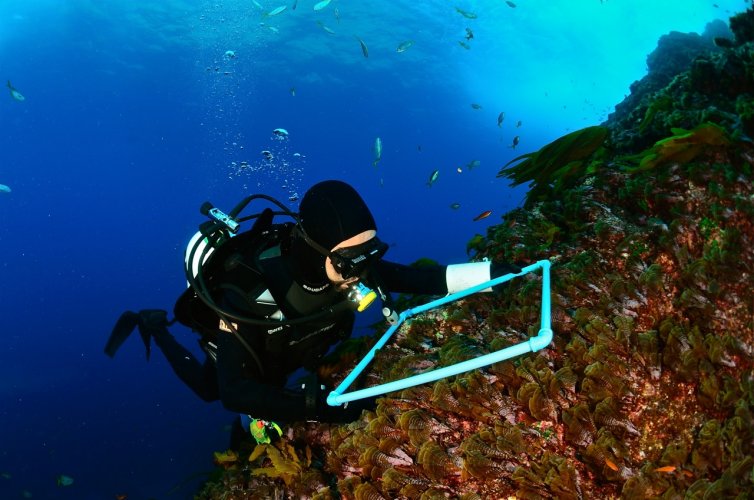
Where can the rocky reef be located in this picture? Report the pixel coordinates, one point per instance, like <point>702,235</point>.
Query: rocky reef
<point>691,79</point>
<point>673,56</point>
<point>647,390</point>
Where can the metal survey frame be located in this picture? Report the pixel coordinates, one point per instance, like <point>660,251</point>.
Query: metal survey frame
<point>533,344</point>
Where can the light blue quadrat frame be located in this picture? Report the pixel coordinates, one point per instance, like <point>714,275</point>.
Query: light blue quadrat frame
<point>544,337</point>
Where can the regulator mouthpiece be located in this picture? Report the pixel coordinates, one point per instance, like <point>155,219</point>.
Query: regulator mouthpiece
<point>361,296</point>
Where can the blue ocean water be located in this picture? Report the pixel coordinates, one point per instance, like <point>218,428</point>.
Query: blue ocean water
<point>135,114</point>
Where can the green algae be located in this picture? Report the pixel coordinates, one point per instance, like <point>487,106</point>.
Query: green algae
<point>558,164</point>
<point>661,103</point>
<point>682,147</point>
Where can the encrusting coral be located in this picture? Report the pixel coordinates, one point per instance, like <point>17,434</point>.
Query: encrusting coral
<point>647,390</point>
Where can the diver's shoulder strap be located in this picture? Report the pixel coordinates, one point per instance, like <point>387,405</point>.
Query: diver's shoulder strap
<point>234,272</point>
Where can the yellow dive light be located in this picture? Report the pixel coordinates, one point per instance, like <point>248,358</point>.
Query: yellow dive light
<point>361,295</point>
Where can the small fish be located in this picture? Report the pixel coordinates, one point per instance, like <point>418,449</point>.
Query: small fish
<point>321,5</point>
<point>500,119</point>
<point>273,29</point>
<point>464,45</point>
<point>510,4</point>
<point>473,164</point>
<point>667,468</point>
<point>377,151</point>
<point>295,4</point>
<point>257,4</point>
<point>483,215</point>
<point>404,46</point>
<point>4,188</point>
<point>15,94</point>
<point>325,28</point>
<point>476,106</point>
<point>121,496</point>
<point>63,480</point>
<point>433,178</point>
<point>292,90</point>
<point>280,132</point>
<point>336,13</point>
<point>467,15</point>
<point>611,464</point>
<point>518,124</point>
<point>455,206</point>
<point>516,140</point>
<point>364,49</point>
<point>469,34</point>
<point>5,475</point>
<point>276,11</point>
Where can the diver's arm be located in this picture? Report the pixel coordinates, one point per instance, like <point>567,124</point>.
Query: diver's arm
<point>440,280</point>
<point>242,394</point>
<point>406,279</point>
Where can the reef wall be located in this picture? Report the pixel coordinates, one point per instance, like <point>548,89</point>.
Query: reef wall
<point>648,387</point>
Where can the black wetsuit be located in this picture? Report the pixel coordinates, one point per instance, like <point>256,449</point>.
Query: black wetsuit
<point>238,276</point>
<point>199,377</point>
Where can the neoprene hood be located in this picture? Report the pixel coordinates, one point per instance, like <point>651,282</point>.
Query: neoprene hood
<point>330,212</point>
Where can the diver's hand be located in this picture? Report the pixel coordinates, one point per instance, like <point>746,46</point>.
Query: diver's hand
<point>318,409</point>
<point>348,412</point>
<point>498,269</point>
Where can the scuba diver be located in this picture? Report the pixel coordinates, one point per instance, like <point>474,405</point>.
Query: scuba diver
<point>277,297</point>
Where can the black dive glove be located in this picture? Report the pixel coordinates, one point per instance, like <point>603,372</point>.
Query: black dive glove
<point>498,269</point>
<point>318,409</point>
<point>348,412</point>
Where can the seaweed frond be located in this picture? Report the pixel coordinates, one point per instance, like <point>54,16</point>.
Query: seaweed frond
<point>557,163</point>
<point>682,147</point>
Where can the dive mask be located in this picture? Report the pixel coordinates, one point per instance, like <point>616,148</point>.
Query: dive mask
<point>353,261</point>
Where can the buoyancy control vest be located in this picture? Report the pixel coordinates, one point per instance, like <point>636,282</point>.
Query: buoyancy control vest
<point>249,277</point>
